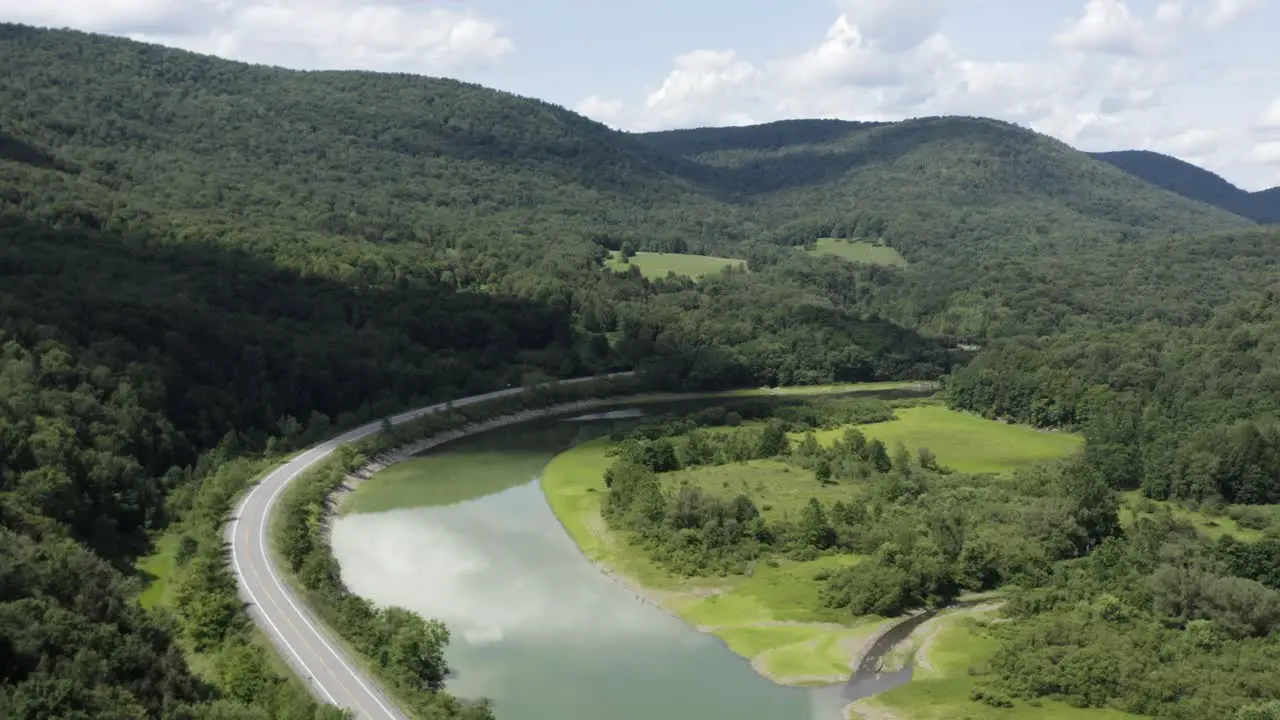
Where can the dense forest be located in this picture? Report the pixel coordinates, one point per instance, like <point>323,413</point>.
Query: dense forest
<point>1186,413</point>
<point>1196,183</point>
<point>204,263</point>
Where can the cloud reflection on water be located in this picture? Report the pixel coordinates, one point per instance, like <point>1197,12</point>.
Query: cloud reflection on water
<point>528,613</point>
<point>493,569</point>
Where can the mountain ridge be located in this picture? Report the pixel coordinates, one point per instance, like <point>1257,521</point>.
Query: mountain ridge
<point>1192,181</point>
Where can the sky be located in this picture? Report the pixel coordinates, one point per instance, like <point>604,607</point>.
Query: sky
<point>1197,79</point>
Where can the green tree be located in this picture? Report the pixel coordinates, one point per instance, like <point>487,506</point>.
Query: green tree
<point>773,440</point>
<point>814,528</point>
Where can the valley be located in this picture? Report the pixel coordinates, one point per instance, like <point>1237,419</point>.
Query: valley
<point>872,370</point>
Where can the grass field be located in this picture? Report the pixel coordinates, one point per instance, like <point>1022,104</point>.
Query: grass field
<point>967,443</point>
<point>657,265</point>
<point>859,251</point>
<point>771,618</point>
<point>158,568</point>
<point>1212,526</point>
<point>776,487</point>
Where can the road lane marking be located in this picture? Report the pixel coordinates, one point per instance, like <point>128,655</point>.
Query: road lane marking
<point>300,634</point>
<point>303,462</point>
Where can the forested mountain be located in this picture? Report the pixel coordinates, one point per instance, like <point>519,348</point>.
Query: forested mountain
<point>1007,231</point>
<point>928,178</point>
<point>1192,181</point>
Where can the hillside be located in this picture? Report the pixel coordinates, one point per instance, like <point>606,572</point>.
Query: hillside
<point>1196,183</point>
<point>923,181</point>
<point>1005,231</point>
<point>389,178</point>
<point>428,155</point>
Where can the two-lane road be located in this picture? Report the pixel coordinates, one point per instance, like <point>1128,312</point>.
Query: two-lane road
<point>298,635</point>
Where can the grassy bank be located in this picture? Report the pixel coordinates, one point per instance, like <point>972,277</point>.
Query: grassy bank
<point>185,575</point>
<point>774,616</point>
<point>769,618</point>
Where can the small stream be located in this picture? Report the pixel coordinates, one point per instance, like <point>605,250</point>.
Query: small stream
<point>868,679</point>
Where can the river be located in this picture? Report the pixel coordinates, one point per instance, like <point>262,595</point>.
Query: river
<point>464,534</point>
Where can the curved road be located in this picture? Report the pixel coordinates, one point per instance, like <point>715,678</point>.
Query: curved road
<point>298,635</point>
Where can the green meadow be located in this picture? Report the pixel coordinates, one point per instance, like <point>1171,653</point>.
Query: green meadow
<point>656,265</point>
<point>777,488</point>
<point>859,251</point>
<point>967,443</point>
<point>1213,525</point>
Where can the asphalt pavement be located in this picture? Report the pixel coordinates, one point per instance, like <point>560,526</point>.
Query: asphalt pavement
<point>311,649</point>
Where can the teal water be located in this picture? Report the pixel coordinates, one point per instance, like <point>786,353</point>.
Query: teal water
<point>535,626</point>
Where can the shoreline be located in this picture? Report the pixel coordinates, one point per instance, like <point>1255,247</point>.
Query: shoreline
<point>380,462</point>
<point>658,598</point>
<point>858,647</point>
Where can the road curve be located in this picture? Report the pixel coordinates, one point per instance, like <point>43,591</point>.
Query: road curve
<point>301,639</point>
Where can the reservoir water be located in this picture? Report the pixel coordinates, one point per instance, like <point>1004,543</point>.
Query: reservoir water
<point>464,534</point>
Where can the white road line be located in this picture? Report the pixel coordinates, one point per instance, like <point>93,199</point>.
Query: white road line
<point>265,616</point>
<point>262,547</point>
<point>284,476</point>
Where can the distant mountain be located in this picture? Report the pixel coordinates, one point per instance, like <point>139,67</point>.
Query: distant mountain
<point>1193,181</point>
<point>930,182</point>
<point>1006,230</point>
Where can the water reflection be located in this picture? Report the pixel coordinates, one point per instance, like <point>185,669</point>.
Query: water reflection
<point>540,630</point>
<point>535,626</point>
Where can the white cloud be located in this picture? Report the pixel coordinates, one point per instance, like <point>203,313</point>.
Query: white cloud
<point>606,110</point>
<point>843,57</point>
<point>1170,11</point>
<point>1193,142</point>
<point>1271,116</point>
<point>373,35</point>
<point>1107,26</point>
<point>1113,27</point>
<point>895,24</point>
<point>1225,12</point>
<point>109,16</point>
<point>1267,153</point>
<point>702,88</point>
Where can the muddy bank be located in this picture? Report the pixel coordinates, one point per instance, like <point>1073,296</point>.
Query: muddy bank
<point>893,657</point>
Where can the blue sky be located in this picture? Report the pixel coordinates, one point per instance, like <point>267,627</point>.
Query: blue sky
<point>1198,79</point>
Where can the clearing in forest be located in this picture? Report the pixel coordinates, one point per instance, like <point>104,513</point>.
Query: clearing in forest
<point>967,443</point>
<point>656,265</point>
<point>860,251</point>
